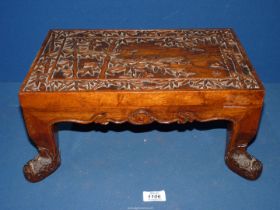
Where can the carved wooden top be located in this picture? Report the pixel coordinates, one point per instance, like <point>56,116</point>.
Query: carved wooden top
<point>90,60</point>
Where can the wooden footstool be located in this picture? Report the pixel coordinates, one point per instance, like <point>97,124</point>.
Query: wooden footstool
<point>141,76</point>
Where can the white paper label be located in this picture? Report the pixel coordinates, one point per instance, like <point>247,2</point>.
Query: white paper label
<point>149,196</point>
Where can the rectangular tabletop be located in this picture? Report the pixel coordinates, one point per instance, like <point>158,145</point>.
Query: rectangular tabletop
<point>93,60</point>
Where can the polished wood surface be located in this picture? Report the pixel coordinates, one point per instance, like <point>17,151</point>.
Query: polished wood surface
<point>141,76</point>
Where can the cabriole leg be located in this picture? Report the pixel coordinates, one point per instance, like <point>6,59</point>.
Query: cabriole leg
<point>48,159</point>
<point>241,133</point>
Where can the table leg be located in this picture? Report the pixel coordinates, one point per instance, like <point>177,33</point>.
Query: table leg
<point>41,132</point>
<point>241,132</point>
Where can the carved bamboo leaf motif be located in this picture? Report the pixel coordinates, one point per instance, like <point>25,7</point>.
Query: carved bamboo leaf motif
<point>84,60</point>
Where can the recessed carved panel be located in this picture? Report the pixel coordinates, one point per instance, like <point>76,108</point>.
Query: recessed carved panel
<point>85,60</point>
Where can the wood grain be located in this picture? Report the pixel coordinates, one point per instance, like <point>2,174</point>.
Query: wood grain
<point>141,76</point>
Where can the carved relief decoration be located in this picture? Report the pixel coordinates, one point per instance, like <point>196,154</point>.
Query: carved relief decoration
<point>243,163</point>
<point>85,60</point>
<point>144,116</point>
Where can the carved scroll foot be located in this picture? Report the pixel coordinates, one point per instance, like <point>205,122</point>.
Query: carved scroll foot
<point>244,164</point>
<point>40,167</point>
